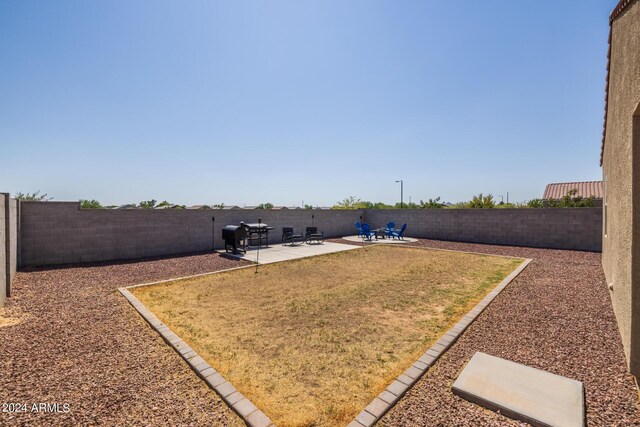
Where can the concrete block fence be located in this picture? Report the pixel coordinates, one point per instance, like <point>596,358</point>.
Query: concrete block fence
<point>558,228</point>
<point>3,250</point>
<point>62,232</point>
<point>9,223</point>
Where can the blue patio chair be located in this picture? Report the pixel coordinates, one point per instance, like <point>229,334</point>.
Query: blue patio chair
<point>359,227</point>
<point>391,227</point>
<point>399,233</point>
<point>366,232</point>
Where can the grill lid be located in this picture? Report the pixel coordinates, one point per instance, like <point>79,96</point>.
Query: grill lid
<point>257,226</point>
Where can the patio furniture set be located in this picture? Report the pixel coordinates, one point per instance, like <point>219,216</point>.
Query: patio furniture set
<point>238,237</point>
<point>388,232</point>
<point>310,236</point>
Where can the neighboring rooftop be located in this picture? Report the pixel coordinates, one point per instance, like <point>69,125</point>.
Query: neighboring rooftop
<point>558,190</point>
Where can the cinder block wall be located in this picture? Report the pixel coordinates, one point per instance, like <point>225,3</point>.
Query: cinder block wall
<point>567,228</point>
<point>9,222</point>
<point>61,232</point>
<point>13,222</point>
<point>3,251</point>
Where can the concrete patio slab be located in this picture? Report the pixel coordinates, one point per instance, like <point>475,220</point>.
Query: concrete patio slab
<point>389,241</point>
<point>286,252</point>
<point>527,394</point>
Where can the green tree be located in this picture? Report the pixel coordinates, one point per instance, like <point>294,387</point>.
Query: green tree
<point>308,207</point>
<point>571,200</point>
<point>432,204</point>
<point>535,203</point>
<point>381,205</point>
<point>364,204</point>
<point>348,203</point>
<point>148,204</point>
<point>265,206</point>
<point>35,196</point>
<point>481,202</point>
<point>90,204</point>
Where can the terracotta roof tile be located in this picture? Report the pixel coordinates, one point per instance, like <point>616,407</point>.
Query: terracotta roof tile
<point>585,189</point>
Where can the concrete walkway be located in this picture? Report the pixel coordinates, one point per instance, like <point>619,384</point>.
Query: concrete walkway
<point>285,252</point>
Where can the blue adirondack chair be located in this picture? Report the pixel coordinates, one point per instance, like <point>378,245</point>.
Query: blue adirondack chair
<point>399,233</point>
<point>391,226</point>
<point>359,227</point>
<point>366,232</point>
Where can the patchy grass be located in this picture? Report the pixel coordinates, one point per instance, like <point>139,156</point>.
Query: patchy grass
<point>312,341</point>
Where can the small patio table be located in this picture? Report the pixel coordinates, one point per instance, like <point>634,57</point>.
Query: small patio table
<point>380,232</point>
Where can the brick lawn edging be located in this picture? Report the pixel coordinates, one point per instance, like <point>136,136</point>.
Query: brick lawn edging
<point>394,392</point>
<point>371,414</point>
<point>242,406</point>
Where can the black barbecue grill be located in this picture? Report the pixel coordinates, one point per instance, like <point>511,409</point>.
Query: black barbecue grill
<point>234,237</point>
<point>258,234</point>
<point>238,237</point>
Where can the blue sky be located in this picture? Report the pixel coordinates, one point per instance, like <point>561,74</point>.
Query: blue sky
<point>248,102</point>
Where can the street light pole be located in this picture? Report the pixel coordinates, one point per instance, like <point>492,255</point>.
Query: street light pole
<point>401,192</point>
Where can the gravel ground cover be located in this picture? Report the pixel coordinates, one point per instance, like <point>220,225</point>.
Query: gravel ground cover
<point>556,316</point>
<point>79,342</point>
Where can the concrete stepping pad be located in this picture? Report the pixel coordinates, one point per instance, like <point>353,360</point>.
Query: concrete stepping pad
<point>520,392</point>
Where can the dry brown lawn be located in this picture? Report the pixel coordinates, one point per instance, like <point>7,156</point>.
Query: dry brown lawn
<point>313,341</point>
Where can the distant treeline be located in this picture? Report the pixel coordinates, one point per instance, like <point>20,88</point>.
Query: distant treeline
<point>480,201</point>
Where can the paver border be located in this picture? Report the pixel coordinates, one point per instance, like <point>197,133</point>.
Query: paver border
<point>386,400</point>
<point>373,412</point>
<point>242,406</point>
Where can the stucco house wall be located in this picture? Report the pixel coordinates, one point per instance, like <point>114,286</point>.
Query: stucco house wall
<point>621,176</point>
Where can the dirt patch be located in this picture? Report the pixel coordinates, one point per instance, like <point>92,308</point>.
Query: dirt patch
<point>9,319</point>
<point>312,341</point>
